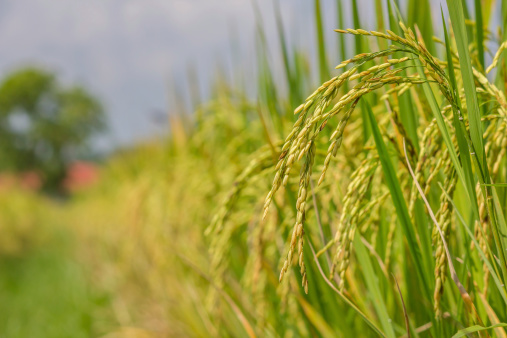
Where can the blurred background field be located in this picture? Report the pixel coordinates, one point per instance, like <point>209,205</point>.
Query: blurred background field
<point>75,193</point>
<point>136,154</point>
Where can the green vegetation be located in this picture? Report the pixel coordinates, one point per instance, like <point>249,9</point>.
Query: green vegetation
<point>45,291</point>
<point>376,209</point>
<point>44,125</point>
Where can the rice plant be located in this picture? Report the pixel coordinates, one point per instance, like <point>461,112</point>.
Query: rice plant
<point>376,209</point>
<point>404,233</point>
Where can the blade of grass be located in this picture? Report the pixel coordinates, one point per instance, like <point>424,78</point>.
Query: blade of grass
<point>504,185</point>
<point>237,311</point>
<point>357,24</point>
<point>408,116</point>
<point>499,214</point>
<point>341,38</point>
<point>466,13</point>
<point>366,126</point>
<point>360,48</point>
<point>379,9</point>
<point>488,6</point>
<point>497,222</point>
<point>479,32</point>
<point>342,296</point>
<point>476,139</point>
<point>322,299</point>
<point>405,314</point>
<point>462,142</point>
<point>315,318</point>
<point>419,12</point>
<point>443,129</point>
<point>260,113</point>
<point>285,54</point>
<point>476,328</point>
<point>321,46</point>
<point>266,83</point>
<point>341,25</point>
<point>493,318</point>
<point>372,284</point>
<point>464,294</point>
<point>461,139</point>
<point>399,203</point>
<point>474,116</point>
<point>491,267</point>
<point>500,75</point>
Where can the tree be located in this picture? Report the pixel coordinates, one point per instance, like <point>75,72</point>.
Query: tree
<point>44,125</point>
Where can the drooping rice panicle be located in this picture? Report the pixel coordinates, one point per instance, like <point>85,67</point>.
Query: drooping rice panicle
<point>298,231</point>
<point>444,217</point>
<point>428,148</point>
<point>496,58</point>
<point>348,220</point>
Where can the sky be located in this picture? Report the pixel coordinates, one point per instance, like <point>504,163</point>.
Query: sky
<point>130,53</point>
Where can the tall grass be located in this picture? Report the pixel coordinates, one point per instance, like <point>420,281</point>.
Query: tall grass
<point>378,209</point>
<point>370,201</point>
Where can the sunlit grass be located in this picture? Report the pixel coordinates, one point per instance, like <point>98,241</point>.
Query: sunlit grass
<point>333,221</point>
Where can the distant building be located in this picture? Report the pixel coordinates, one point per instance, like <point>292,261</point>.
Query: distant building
<point>80,175</point>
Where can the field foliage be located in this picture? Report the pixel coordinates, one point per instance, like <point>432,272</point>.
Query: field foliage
<point>371,204</point>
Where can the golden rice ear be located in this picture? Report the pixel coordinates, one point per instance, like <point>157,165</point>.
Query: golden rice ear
<point>444,217</point>
<point>352,209</point>
<point>496,58</point>
<point>302,138</point>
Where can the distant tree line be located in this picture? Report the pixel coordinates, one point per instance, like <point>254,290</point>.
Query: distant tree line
<point>44,125</point>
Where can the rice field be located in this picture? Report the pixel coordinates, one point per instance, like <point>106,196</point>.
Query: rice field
<point>371,203</point>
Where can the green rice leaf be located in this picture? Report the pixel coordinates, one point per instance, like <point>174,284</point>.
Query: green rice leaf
<point>474,115</point>
<point>285,53</point>
<point>460,132</point>
<point>495,184</point>
<point>357,24</point>
<point>321,46</point>
<point>315,318</point>
<point>479,32</point>
<point>476,328</point>
<point>341,25</point>
<point>343,297</point>
<point>419,12</point>
<point>492,268</point>
<point>373,285</point>
<point>399,202</point>
<point>408,115</point>
<point>446,135</point>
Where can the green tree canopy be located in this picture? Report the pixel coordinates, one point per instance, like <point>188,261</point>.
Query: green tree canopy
<point>45,125</point>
